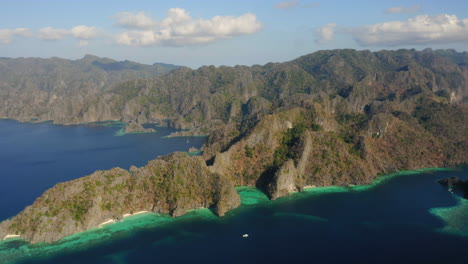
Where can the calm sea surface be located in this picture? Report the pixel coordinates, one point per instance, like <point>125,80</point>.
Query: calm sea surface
<point>401,218</point>
<point>34,157</point>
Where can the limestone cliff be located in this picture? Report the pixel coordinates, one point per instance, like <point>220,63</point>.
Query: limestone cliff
<point>289,150</point>
<point>97,89</point>
<point>335,117</point>
<point>171,184</point>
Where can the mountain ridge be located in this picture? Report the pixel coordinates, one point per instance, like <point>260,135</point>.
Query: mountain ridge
<point>336,117</point>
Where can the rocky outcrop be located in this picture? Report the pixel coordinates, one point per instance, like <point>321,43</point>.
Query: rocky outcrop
<point>456,184</point>
<point>247,159</point>
<point>135,127</point>
<point>171,184</point>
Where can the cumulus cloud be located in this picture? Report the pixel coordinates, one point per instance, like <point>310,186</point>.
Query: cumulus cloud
<point>134,20</point>
<point>83,32</point>
<point>403,9</point>
<point>180,29</point>
<point>7,35</point>
<point>286,5</point>
<point>423,29</point>
<point>326,33</point>
<point>49,33</point>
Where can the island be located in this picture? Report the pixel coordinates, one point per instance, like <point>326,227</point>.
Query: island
<point>338,117</point>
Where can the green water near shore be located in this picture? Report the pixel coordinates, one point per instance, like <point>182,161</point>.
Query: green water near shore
<point>251,195</point>
<point>13,249</point>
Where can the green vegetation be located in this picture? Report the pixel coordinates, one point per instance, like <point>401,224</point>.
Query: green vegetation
<point>285,150</point>
<point>249,151</point>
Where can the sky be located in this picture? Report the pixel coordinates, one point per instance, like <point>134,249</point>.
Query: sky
<point>213,32</point>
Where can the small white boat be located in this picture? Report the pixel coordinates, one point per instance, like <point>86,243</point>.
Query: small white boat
<point>245,235</point>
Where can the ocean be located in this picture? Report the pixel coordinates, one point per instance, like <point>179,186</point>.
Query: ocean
<point>406,217</point>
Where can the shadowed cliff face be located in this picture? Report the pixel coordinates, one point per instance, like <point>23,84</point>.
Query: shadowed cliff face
<point>329,118</point>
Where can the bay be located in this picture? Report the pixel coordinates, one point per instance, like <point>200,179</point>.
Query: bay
<point>35,157</point>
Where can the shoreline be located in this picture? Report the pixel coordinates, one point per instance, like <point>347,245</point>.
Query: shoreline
<point>99,236</point>
<point>9,236</point>
<point>110,221</point>
<point>120,132</point>
<point>108,123</point>
<point>308,190</point>
<point>192,136</point>
<point>113,221</point>
<point>104,122</point>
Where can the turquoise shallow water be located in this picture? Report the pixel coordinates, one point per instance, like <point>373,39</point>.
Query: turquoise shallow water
<point>319,219</point>
<point>405,217</point>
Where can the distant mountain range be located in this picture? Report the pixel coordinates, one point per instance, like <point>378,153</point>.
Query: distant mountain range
<point>66,91</point>
<point>334,117</point>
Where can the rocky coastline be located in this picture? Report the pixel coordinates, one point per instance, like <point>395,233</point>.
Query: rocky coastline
<point>329,118</point>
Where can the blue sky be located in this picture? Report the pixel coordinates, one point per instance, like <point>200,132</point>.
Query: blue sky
<point>195,33</point>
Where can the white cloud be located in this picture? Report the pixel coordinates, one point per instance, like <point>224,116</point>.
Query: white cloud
<point>7,35</point>
<point>287,4</point>
<point>180,29</point>
<point>423,29</point>
<point>84,32</point>
<point>49,33</point>
<point>134,20</point>
<point>326,33</point>
<point>403,9</point>
<point>81,33</point>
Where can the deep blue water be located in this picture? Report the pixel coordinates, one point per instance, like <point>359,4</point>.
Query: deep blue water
<point>34,157</point>
<point>388,223</point>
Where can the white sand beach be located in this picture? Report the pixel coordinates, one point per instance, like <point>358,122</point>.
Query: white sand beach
<point>110,221</point>
<point>11,236</point>
<point>140,212</point>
